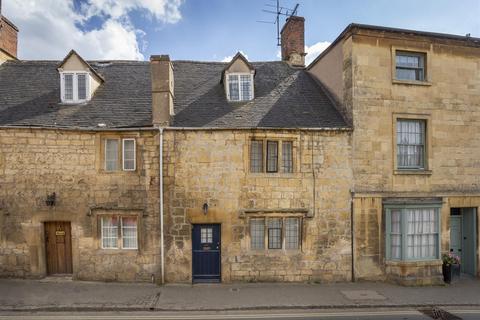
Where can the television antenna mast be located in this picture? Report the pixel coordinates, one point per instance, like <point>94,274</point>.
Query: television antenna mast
<point>279,11</point>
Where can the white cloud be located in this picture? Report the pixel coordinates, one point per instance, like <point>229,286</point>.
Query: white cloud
<point>229,58</point>
<point>314,50</point>
<point>50,28</point>
<point>167,11</point>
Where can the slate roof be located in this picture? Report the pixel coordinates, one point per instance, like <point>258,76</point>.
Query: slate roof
<point>284,97</point>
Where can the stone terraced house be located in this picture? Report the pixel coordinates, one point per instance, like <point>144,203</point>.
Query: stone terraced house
<point>362,165</point>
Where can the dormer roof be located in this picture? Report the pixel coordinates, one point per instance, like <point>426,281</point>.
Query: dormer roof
<point>85,63</point>
<point>238,56</point>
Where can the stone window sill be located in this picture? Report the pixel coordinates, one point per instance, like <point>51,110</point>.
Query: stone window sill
<point>414,262</point>
<point>272,174</point>
<point>412,172</point>
<point>412,82</point>
<point>132,252</point>
<point>274,252</point>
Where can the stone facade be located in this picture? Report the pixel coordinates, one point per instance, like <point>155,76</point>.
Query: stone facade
<point>213,167</point>
<point>37,162</point>
<point>448,101</point>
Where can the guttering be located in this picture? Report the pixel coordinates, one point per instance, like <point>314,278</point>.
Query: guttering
<point>80,128</point>
<point>258,128</point>
<point>352,236</point>
<point>160,170</point>
<point>176,128</point>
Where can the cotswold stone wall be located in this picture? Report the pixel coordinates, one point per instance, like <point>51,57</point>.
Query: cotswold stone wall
<point>449,102</point>
<point>213,167</point>
<point>34,163</point>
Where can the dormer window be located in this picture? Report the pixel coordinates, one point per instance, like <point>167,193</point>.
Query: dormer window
<point>237,78</point>
<point>75,87</point>
<point>240,87</point>
<point>78,80</point>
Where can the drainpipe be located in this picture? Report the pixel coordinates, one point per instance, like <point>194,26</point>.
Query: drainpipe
<point>352,235</point>
<point>160,160</point>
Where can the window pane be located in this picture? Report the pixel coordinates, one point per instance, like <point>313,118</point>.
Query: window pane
<point>109,232</point>
<point>68,89</point>
<point>292,233</point>
<point>256,156</point>
<point>128,154</point>
<point>206,235</point>
<point>82,86</point>
<point>257,233</point>
<point>410,66</point>
<point>111,154</point>
<point>246,84</point>
<point>129,233</point>
<point>422,233</point>
<point>396,235</point>
<point>287,156</point>
<point>275,233</point>
<point>233,87</point>
<point>410,143</point>
<point>272,156</point>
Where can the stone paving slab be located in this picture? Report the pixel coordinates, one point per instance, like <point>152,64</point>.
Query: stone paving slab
<point>84,296</point>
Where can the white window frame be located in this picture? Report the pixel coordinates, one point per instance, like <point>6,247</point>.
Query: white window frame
<point>75,86</point>
<point>240,91</point>
<point>101,234</point>
<point>119,226</point>
<point>121,232</point>
<point>134,154</point>
<point>105,155</point>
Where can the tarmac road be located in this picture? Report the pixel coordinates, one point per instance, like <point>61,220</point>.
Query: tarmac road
<point>404,314</point>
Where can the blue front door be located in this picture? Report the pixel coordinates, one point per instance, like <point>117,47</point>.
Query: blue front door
<point>206,253</point>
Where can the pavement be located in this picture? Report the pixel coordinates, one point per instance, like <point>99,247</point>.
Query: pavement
<point>79,296</point>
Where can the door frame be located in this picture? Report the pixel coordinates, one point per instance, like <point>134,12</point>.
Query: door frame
<point>47,271</point>
<point>473,236</point>
<point>219,252</point>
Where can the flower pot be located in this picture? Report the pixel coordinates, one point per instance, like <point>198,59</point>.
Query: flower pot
<point>447,273</point>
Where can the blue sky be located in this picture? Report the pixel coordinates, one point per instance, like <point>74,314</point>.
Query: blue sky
<point>212,29</point>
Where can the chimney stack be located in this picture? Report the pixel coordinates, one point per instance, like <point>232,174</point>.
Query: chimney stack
<point>162,89</point>
<point>8,36</point>
<point>293,41</point>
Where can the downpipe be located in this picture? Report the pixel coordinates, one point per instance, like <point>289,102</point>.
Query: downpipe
<point>162,246</point>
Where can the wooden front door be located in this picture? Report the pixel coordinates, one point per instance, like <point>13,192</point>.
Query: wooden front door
<point>58,241</point>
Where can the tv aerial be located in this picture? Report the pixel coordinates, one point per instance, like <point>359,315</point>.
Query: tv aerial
<point>279,11</point>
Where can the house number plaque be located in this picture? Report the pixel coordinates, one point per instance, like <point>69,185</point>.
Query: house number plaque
<point>59,233</point>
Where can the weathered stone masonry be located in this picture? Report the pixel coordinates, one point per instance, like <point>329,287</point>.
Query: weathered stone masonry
<point>37,162</point>
<point>212,166</point>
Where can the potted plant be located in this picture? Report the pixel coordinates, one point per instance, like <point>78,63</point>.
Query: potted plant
<point>451,266</point>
